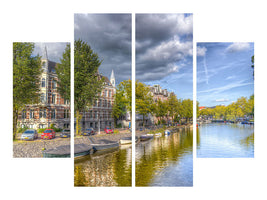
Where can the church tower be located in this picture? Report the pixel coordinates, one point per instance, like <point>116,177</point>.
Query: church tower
<point>112,79</point>
<point>44,60</point>
<point>44,77</point>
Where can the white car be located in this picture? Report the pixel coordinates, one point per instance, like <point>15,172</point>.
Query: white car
<point>29,134</point>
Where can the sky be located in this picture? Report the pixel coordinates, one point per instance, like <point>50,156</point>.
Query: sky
<point>224,72</point>
<point>164,50</point>
<point>109,35</point>
<point>54,50</point>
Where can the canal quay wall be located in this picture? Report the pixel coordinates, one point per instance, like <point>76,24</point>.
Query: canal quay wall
<point>33,149</point>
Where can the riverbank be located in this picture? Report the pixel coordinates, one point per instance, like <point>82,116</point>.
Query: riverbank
<point>33,149</point>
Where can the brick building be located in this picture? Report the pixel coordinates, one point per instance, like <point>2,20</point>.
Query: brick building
<point>100,114</point>
<point>52,108</point>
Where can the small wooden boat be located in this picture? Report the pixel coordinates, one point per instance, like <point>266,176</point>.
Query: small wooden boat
<point>167,132</point>
<point>64,151</point>
<point>104,145</point>
<point>127,140</point>
<point>158,135</point>
<point>82,150</point>
<point>146,137</point>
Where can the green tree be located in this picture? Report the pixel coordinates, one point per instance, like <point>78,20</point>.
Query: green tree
<point>63,73</point>
<point>87,81</point>
<point>143,99</point>
<point>173,105</point>
<point>160,109</point>
<point>26,79</point>
<point>119,106</point>
<point>187,109</point>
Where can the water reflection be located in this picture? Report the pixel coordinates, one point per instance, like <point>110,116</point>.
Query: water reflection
<point>165,161</point>
<point>225,141</point>
<point>104,169</point>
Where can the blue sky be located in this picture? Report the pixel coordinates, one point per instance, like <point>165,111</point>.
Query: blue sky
<point>164,52</point>
<point>224,72</point>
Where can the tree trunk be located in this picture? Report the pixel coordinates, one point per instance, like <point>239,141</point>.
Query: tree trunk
<point>78,123</point>
<point>15,122</point>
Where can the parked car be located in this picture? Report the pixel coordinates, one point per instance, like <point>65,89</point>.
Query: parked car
<point>88,132</point>
<point>29,134</point>
<point>108,130</point>
<point>65,133</point>
<point>48,134</point>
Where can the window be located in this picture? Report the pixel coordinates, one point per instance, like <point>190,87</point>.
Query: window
<point>43,98</point>
<point>43,82</point>
<point>54,84</point>
<point>42,113</point>
<point>53,114</point>
<point>100,102</point>
<point>109,93</point>
<point>23,115</point>
<point>31,114</point>
<point>66,101</point>
<point>42,126</point>
<point>53,98</point>
<point>44,65</point>
<point>66,113</point>
<point>106,93</point>
<point>31,126</point>
<point>90,114</point>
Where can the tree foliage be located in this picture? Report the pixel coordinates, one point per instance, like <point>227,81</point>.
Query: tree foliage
<point>143,99</point>
<point>88,83</point>
<point>241,108</point>
<point>26,79</point>
<point>63,73</point>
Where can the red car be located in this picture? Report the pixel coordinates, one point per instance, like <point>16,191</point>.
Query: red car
<point>108,130</point>
<point>48,134</point>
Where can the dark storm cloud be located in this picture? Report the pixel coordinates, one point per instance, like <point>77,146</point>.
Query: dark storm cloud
<point>54,50</point>
<point>109,35</point>
<point>163,43</point>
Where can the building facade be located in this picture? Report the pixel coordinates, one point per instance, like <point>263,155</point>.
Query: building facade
<point>52,108</point>
<point>157,94</point>
<point>100,114</point>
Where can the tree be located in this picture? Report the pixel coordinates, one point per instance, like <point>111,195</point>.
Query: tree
<point>63,73</point>
<point>187,109</point>
<point>172,105</point>
<point>160,109</point>
<point>87,81</point>
<point>119,106</point>
<point>26,79</point>
<point>143,99</point>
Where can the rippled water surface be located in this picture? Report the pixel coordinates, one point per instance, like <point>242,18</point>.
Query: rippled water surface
<point>218,140</point>
<point>165,161</point>
<point>111,168</point>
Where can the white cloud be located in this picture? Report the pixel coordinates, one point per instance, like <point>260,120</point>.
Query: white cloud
<point>222,100</point>
<point>238,46</point>
<point>201,51</point>
<point>225,87</point>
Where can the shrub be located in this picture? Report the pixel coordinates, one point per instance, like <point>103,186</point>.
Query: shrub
<point>116,131</point>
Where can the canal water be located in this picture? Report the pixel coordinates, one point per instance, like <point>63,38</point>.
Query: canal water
<point>165,161</point>
<point>112,168</point>
<point>219,140</point>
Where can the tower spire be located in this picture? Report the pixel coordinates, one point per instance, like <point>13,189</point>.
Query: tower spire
<point>112,79</point>
<point>44,53</point>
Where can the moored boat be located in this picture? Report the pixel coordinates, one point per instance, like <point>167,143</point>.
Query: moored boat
<point>167,132</point>
<point>146,137</point>
<point>158,134</point>
<point>104,145</point>
<point>64,151</point>
<point>127,140</point>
